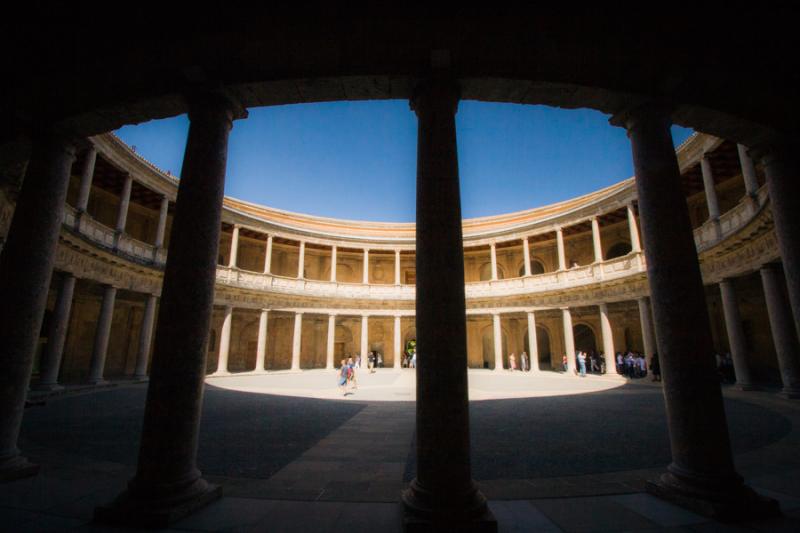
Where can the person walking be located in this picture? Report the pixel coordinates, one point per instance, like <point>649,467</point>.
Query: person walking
<point>582,363</point>
<point>512,362</point>
<point>523,362</point>
<point>343,377</point>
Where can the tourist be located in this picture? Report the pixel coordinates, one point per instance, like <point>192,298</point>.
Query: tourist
<point>564,365</point>
<point>620,368</point>
<point>594,362</point>
<point>352,374</point>
<point>379,360</point>
<point>512,362</point>
<point>582,363</point>
<point>642,365</point>
<point>655,367</point>
<point>414,360</point>
<point>358,361</point>
<point>344,372</point>
<point>523,361</point>
<point>372,361</point>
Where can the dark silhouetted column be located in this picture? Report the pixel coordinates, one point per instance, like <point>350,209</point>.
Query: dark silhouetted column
<point>102,335</point>
<point>145,337</point>
<point>782,327</point>
<point>782,170</point>
<point>168,484</point>
<point>51,357</point>
<point>26,265</point>
<point>736,340</point>
<point>443,495</point>
<point>701,475</point>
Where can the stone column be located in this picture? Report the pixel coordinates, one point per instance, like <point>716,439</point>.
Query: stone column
<point>702,474</point>
<point>301,261</point>
<point>234,257</point>
<point>710,188</point>
<point>526,251</point>
<point>398,345</point>
<point>87,174</point>
<point>168,484</point>
<point>124,204</point>
<point>329,362</point>
<point>646,322</point>
<point>365,277</point>
<point>569,340</point>
<point>297,339</point>
<point>736,340</point>
<point>636,246</point>
<point>598,249</point>
<point>26,265</point>
<point>397,267</point>
<point>533,346</point>
<point>145,337</point>
<point>261,347</point>
<point>748,171</point>
<point>364,339</point>
<point>782,326</point>
<point>497,336</point>
<point>562,258</point>
<point>333,264</point>
<point>782,171</point>
<point>102,335</point>
<point>268,256</point>
<point>493,252</point>
<point>608,341</point>
<point>443,494</point>
<point>56,337</point>
<point>225,342</point>
<point>161,229</point>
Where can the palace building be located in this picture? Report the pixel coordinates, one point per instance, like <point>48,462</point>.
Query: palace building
<point>112,269</point>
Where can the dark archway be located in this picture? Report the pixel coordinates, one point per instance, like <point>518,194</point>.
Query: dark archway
<point>585,339</point>
<point>542,346</point>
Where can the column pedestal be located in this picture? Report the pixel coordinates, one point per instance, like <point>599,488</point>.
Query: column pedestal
<point>442,496</point>
<point>168,485</point>
<point>702,474</point>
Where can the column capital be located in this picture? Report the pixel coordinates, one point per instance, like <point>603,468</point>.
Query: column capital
<point>436,91</point>
<point>633,117</point>
<point>205,102</point>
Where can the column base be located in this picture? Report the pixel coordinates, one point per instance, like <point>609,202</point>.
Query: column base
<point>127,510</point>
<point>47,387</point>
<point>790,393</point>
<point>726,502</point>
<point>423,512</point>
<point>747,387</point>
<point>17,467</point>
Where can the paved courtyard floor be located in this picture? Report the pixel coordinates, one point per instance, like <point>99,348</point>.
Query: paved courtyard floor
<point>551,452</point>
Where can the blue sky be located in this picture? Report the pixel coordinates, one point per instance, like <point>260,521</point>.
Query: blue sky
<point>357,160</point>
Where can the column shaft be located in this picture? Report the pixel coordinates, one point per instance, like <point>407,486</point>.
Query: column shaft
<point>87,174</point>
<point>562,259</point>
<point>598,249</point>
<point>646,323</point>
<point>443,495</point>
<point>333,264</point>
<point>124,204</point>
<point>145,337</point>
<point>526,252</point>
<point>398,348</point>
<point>533,345</point>
<point>329,362</point>
<point>301,261</point>
<point>26,266</point>
<point>102,335</point>
<point>782,327</point>
<point>161,229</point>
<point>268,256</point>
<point>748,170</point>
<point>569,340</point>
<point>234,257</point>
<point>497,336</point>
<point>261,347</point>
<point>782,171</point>
<point>57,336</point>
<point>710,188</point>
<point>297,339</point>
<point>167,477</point>
<point>702,468</point>
<point>364,339</point>
<point>493,253</point>
<point>736,340</point>
<point>225,341</point>
<point>365,277</point>
<point>608,340</point>
<point>397,267</point>
<point>636,245</point>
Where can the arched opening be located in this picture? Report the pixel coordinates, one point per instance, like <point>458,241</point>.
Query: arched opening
<point>342,343</point>
<point>585,340</point>
<point>536,268</point>
<point>618,250</point>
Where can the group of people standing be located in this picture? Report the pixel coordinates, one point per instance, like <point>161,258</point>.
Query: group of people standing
<point>347,375</point>
<point>630,364</point>
<point>523,364</point>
